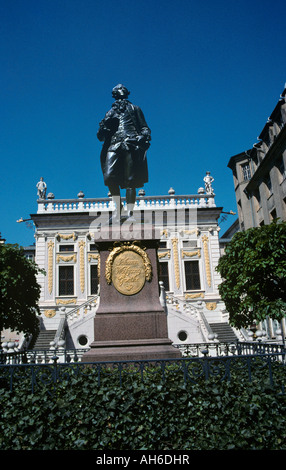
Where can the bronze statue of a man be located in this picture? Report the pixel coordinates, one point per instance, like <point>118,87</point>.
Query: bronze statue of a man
<point>126,138</point>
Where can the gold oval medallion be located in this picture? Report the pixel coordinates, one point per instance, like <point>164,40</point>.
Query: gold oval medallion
<point>128,272</point>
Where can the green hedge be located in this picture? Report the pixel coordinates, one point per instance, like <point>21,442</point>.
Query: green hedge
<point>153,415</point>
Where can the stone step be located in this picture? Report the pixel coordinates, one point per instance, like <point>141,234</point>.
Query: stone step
<point>44,338</point>
<point>225,333</point>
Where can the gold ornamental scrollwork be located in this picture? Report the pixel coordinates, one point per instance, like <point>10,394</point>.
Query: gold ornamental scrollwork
<point>95,256</point>
<point>195,296</point>
<point>176,261</point>
<point>81,265</point>
<point>66,258</point>
<point>128,267</point>
<point>50,265</point>
<point>50,313</point>
<point>207,259</point>
<point>189,254</point>
<point>66,236</point>
<point>66,301</point>
<point>211,305</point>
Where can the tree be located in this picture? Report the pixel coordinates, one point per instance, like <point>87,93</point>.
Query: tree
<point>253,270</point>
<point>20,291</point>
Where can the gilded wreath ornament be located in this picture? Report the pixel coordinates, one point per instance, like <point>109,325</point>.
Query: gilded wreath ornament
<point>121,249</point>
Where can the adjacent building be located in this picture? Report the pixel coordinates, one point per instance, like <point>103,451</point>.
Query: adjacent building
<point>259,173</point>
<point>259,176</point>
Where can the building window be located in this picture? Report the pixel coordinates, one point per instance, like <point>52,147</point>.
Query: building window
<point>66,280</point>
<point>246,171</point>
<point>66,248</point>
<point>192,275</point>
<point>165,219</point>
<point>182,335</point>
<point>82,340</point>
<point>93,279</point>
<point>190,243</point>
<point>164,274</point>
<point>162,244</point>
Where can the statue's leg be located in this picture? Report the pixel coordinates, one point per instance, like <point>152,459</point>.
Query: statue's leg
<point>116,199</point>
<point>130,200</point>
<point>130,189</point>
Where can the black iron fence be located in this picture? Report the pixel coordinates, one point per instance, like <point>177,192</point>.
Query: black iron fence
<point>268,367</point>
<point>230,348</point>
<point>236,348</point>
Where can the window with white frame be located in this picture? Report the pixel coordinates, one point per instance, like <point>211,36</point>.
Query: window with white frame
<point>94,281</point>
<point>164,274</point>
<point>192,275</point>
<point>246,171</point>
<point>66,280</point>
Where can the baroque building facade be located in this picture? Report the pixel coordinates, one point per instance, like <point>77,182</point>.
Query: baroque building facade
<point>188,252</point>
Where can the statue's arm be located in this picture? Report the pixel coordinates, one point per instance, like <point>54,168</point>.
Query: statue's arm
<point>143,128</point>
<point>107,126</point>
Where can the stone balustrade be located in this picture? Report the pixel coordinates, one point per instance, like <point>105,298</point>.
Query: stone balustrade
<point>142,203</point>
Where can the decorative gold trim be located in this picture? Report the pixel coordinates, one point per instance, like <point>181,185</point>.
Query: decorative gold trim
<point>211,305</point>
<point>66,258</point>
<point>66,302</point>
<point>65,236</point>
<point>50,265</point>
<point>165,232</point>
<point>207,259</point>
<point>191,253</point>
<point>81,245</point>
<point>127,247</point>
<point>195,296</point>
<point>176,261</point>
<point>93,256</point>
<point>49,313</point>
<point>190,232</point>
<point>163,254</point>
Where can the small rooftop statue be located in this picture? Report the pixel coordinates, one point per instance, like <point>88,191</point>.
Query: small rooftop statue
<point>126,138</point>
<point>208,179</point>
<point>42,188</point>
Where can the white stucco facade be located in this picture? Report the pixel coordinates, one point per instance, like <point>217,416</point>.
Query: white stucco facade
<point>188,253</point>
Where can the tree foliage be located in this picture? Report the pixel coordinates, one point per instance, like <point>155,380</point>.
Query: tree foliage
<point>253,270</point>
<point>20,291</point>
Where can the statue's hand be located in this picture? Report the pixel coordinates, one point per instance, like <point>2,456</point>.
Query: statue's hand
<point>112,123</point>
<point>143,141</point>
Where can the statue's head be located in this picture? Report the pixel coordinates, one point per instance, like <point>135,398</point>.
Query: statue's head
<point>120,91</point>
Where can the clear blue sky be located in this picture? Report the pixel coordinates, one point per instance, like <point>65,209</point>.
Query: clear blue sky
<point>206,74</point>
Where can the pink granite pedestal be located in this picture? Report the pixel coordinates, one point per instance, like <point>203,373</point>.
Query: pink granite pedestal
<point>129,327</point>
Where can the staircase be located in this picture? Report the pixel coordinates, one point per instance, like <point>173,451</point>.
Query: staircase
<point>225,333</point>
<point>43,340</point>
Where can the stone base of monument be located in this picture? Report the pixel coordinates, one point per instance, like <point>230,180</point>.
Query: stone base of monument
<point>130,323</point>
